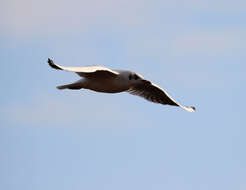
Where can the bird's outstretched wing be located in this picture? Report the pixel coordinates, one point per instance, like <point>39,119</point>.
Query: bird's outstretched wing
<point>89,71</point>
<point>155,94</point>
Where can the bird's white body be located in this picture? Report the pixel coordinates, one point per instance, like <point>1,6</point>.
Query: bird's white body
<point>117,84</point>
<point>102,79</point>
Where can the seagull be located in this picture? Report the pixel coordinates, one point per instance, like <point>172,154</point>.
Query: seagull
<point>102,79</point>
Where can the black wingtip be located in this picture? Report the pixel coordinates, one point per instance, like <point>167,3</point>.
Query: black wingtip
<point>52,64</point>
<point>193,108</point>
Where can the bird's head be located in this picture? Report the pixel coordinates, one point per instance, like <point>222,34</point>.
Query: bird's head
<point>136,78</point>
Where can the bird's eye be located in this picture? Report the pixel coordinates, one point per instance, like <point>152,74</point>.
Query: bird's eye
<point>130,77</point>
<point>136,77</point>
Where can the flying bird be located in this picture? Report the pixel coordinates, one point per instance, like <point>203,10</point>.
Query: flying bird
<point>102,79</point>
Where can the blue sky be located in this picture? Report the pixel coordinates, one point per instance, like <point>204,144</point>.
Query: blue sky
<point>52,139</point>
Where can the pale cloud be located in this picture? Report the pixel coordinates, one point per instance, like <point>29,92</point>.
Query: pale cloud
<point>31,17</point>
<point>228,6</point>
<point>28,16</point>
<point>210,42</point>
<point>221,6</point>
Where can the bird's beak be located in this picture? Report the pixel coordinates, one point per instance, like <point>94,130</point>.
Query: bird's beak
<point>146,81</point>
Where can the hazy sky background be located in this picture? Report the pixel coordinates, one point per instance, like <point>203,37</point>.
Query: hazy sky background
<point>52,139</point>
